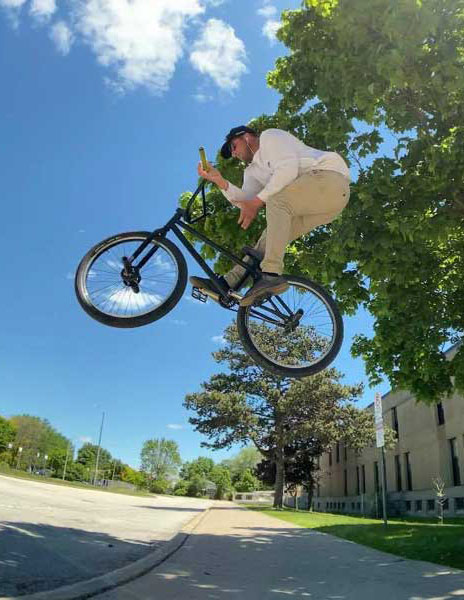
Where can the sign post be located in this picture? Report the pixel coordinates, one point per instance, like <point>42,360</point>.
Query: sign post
<point>380,441</point>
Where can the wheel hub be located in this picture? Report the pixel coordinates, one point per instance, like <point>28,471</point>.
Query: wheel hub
<point>294,321</point>
<point>130,276</point>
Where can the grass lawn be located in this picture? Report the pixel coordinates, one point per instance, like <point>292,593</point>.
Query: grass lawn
<point>416,539</point>
<point>75,484</point>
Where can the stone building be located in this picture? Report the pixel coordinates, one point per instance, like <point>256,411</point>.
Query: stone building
<point>430,445</point>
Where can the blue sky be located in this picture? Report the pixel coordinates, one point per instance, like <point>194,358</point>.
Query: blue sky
<point>104,104</point>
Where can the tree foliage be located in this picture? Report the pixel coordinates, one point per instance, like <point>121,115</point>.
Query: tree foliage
<point>354,72</point>
<point>246,404</point>
<point>160,458</point>
<point>37,437</point>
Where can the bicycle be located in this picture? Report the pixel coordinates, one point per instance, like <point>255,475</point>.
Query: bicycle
<point>135,278</point>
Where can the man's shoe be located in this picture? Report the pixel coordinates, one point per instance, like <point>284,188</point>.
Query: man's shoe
<point>205,285</point>
<point>268,284</point>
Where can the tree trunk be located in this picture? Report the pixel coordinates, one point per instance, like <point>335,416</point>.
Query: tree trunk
<point>280,475</point>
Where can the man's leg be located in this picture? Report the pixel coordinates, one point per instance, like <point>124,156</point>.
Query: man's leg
<point>237,272</point>
<point>313,199</point>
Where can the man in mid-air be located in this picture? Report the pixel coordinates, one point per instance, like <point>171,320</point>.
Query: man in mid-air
<point>299,186</point>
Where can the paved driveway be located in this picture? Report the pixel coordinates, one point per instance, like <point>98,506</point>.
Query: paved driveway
<point>52,535</point>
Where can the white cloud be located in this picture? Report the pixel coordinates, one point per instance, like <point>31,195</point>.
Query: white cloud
<point>13,4</point>
<point>142,40</point>
<point>178,322</point>
<point>270,29</point>
<point>62,37</point>
<point>85,439</point>
<point>175,426</point>
<point>218,339</point>
<point>271,25</point>
<point>42,10</point>
<point>220,54</point>
<point>202,98</point>
<point>267,11</point>
<point>70,275</point>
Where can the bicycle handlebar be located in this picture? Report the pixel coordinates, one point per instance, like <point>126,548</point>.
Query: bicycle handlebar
<point>187,216</point>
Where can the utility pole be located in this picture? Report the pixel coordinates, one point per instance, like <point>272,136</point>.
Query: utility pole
<point>98,451</point>
<point>66,461</point>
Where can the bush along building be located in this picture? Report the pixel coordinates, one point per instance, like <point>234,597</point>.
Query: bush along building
<point>428,456</point>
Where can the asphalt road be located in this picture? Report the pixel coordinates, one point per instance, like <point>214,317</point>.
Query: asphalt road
<point>52,536</point>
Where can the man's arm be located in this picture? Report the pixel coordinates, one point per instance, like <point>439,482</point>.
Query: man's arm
<point>283,160</point>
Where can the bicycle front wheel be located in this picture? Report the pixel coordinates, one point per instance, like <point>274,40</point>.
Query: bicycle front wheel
<point>294,334</point>
<point>106,296</point>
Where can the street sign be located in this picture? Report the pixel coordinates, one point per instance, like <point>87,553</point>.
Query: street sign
<point>379,435</point>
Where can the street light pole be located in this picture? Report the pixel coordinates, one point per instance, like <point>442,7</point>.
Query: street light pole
<point>66,461</point>
<point>98,451</point>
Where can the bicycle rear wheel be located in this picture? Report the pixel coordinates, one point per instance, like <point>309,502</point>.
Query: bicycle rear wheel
<point>106,297</point>
<point>294,334</point>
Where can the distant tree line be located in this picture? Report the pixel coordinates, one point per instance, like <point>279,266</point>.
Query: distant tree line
<point>29,443</point>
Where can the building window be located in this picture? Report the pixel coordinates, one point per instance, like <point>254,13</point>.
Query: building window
<point>345,453</point>
<point>399,486</point>
<point>395,421</point>
<point>407,466</point>
<point>440,414</point>
<point>456,475</point>
<point>330,458</point>
<point>376,476</point>
<point>338,451</point>
<point>446,504</point>
<point>418,505</point>
<point>408,505</point>
<point>345,482</point>
<point>430,505</point>
<point>363,479</point>
<point>357,482</point>
<point>459,503</point>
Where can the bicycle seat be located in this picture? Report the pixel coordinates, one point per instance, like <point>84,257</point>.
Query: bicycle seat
<point>256,254</point>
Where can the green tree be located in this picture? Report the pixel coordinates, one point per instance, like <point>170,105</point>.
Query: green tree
<point>200,466</point>
<point>247,404</point>
<point>356,71</point>
<point>7,436</point>
<point>247,482</point>
<point>132,476</point>
<point>399,247</point>
<point>160,458</point>
<point>37,438</point>
<point>247,458</point>
<point>220,475</point>
<point>87,456</point>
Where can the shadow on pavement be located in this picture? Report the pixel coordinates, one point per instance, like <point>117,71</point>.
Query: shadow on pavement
<point>175,508</point>
<point>263,563</point>
<point>38,557</point>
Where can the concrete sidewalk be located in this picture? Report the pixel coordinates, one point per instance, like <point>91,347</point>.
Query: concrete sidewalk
<point>236,553</point>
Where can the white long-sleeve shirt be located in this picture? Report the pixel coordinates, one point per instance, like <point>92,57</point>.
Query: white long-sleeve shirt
<point>280,159</point>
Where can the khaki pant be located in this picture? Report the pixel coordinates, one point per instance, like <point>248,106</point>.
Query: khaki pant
<point>313,199</point>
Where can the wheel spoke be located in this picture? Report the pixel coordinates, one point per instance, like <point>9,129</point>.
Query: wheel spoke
<point>302,331</point>
<point>106,290</point>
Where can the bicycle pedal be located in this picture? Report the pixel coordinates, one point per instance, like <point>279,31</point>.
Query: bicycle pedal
<point>198,295</point>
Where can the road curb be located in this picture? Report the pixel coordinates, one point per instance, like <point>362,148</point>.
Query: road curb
<point>103,583</point>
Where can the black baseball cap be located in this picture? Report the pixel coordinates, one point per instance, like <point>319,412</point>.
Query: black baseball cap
<point>233,133</point>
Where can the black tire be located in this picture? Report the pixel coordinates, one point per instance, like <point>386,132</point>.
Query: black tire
<point>84,277</point>
<point>246,321</point>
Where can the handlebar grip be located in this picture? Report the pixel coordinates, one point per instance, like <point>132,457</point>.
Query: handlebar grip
<point>204,162</point>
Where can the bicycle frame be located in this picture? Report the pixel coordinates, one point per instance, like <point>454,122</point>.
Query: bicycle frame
<point>182,219</point>
<point>177,221</point>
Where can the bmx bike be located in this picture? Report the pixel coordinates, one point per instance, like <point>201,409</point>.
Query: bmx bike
<point>134,278</point>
